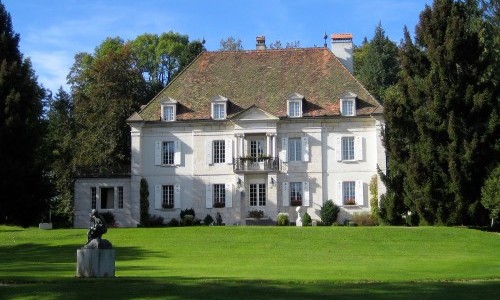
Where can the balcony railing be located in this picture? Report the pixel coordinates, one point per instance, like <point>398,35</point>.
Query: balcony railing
<point>255,164</point>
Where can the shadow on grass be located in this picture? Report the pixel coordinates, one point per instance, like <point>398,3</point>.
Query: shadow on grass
<point>196,288</point>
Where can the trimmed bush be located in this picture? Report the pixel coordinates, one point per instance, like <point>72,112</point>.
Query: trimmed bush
<point>329,213</point>
<point>208,220</point>
<point>218,219</point>
<point>154,221</point>
<point>364,219</point>
<point>306,219</point>
<point>144,202</point>
<point>283,219</point>
<point>188,220</point>
<point>173,222</point>
<point>187,211</point>
<point>257,214</point>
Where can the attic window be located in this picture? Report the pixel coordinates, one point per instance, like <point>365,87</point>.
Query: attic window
<point>168,110</point>
<point>294,105</point>
<point>348,105</point>
<point>219,108</point>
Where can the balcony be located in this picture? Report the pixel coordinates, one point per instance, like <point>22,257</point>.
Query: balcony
<point>254,164</point>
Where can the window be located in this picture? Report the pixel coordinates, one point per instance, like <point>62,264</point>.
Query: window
<point>219,195</point>
<point>168,153</point>
<point>167,196</point>
<point>218,152</point>
<point>107,198</point>
<point>349,192</point>
<point>258,194</point>
<point>295,109</point>
<point>93,197</point>
<point>294,149</point>
<point>120,197</point>
<point>257,149</point>
<point>219,111</point>
<point>295,193</point>
<point>347,108</point>
<point>168,112</point>
<point>348,148</point>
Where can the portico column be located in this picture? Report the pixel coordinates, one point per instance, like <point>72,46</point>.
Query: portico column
<point>268,144</point>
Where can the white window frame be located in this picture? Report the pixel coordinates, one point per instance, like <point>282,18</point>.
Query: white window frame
<point>348,148</point>
<point>348,192</point>
<point>294,149</point>
<point>294,108</point>
<point>348,107</point>
<point>168,195</point>
<point>219,194</point>
<point>257,149</point>
<point>167,156</point>
<point>350,189</point>
<point>219,110</point>
<point>168,116</point>
<point>218,151</point>
<point>257,195</point>
<point>163,194</point>
<point>296,192</point>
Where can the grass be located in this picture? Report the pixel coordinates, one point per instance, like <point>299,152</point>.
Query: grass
<point>257,263</point>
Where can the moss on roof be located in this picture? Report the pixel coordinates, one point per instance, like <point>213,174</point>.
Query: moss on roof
<point>264,79</point>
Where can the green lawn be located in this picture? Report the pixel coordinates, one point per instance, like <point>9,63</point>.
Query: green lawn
<point>257,263</point>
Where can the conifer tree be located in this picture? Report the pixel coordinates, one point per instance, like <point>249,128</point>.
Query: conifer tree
<point>24,190</point>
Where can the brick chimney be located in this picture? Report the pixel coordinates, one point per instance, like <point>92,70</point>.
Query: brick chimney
<point>261,43</point>
<point>342,48</point>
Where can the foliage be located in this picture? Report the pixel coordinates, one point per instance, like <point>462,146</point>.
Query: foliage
<point>374,209</point>
<point>188,220</point>
<point>329,213</point>
<point>442,118</point>
<point>306,219</point>
<point>109,218</point>
<point>187,211</point>
<point>377,64</point>
<point>153,221</point>
<point>490,195</point>
<point>144,202</point>
<point>257,214</point>
<point>283,219</point>
<point>208,220</point>
<point>277,45</point>
<point>230,44</point>
<point>173,223</point>
<point>364,219</point>
<point>25,188</point>
<point>218,219</point>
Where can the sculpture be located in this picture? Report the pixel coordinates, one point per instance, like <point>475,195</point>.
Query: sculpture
<point>96,230</point>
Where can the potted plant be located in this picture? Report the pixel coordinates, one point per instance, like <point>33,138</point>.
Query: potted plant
<point>350,201</point>
<point>219,204</point>
<point>256,214</point>
<point>167,205</point>
<point>295,201</point>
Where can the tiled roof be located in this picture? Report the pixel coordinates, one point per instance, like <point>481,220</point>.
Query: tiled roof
<point>341,36</point>
<point>264,79</point>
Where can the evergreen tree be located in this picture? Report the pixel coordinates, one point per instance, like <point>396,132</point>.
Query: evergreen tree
<point>442,117</point>
<point>24,188</point>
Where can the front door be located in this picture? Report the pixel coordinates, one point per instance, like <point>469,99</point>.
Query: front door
<point>257,195</point>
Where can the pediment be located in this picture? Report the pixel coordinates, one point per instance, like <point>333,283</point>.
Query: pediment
<point>348,95</point>
<point>253,113</point>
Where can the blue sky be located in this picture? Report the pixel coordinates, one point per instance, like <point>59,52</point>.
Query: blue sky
<point>53,31</point>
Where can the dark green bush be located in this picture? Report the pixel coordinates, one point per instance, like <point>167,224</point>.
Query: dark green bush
<point>218,219</point>
<point>257,214</point>
<point>109,218</point>
<point>173,222</point>
<point>144,202</point>
<point>208,220</point>
<point>283,219</point>
<point>187,211</point>
<point>329,213</point>
<point>154,221</point>
<point>306,219</point>
<point>188,220</point>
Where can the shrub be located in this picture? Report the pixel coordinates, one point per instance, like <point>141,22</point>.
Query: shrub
<point>144,202</point>
<point>154,221</point>
<point>188,220</point>
<point>218,219</point>
<point>173,222</point>
<point>306,219</point>
<point>374,198</point>
<point>109,218</point>
<point>364,219</point>
<point>329,213</point>
<point>283,219</point>
<point>257,214</point>
<point>490,195</point>
<point>208,220</point>
<point>187,211</point>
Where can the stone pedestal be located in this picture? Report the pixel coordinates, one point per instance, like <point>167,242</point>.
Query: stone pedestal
<point>45,225</point>
<point>95,263</point>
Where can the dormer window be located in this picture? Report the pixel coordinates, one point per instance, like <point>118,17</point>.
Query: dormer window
<point>219,108</point>
<point>348,105</point>
<point>168,110</point>
<point>294,105</point>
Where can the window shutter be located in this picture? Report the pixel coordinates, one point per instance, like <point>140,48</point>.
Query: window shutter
<point>284,149</point>
<point>158,196</point>
<point>209,152</point>
<point>158,145</point>
<point>286,195</point>
<point>229,151</point>
<point>305,194</point>
<point>360,200</point>
<point>338,148</point>
<point>338,194</point>
<point>177,196</point>
<point>208,196</point>
<point>229,195</point>
<point>305,149</point>
<point>358,148</point>
<point>177,153</point>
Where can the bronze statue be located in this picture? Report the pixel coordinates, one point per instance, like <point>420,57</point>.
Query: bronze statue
<point>96,230</point>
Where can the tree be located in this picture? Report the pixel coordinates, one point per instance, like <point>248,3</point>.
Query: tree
<point>107,88</point>
<point>60,138</point>
<point>277,45</point>
<point>24,186</point>
<point>230,44</point>
<point>442,117</point>
<point>490,195</point>
<point>377,64</point>
<point>329,213</point>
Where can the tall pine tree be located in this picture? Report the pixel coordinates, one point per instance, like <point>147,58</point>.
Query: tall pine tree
<point>24,189</point>
<point>442,118</point>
